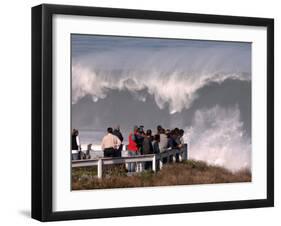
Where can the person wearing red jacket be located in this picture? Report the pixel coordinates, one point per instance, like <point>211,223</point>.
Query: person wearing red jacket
<point>133,149</point>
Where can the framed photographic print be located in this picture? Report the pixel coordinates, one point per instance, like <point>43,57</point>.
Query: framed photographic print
<point>145,112</point>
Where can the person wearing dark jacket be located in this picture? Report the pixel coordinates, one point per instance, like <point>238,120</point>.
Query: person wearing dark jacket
<point>147,143</point>
<point>75,143</point>
<point>159,128</point>
<point>172,141</point>
<point>118,133</point>
<point>156,144</point>
<point>147,147</point>
<point>139,138</point>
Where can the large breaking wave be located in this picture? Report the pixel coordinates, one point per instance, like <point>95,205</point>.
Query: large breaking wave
<point>172,75</point>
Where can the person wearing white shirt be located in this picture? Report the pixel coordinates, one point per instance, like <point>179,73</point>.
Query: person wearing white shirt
<point>110,144</point>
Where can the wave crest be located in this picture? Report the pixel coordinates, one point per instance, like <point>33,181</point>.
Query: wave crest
<point>172,74</point>
<point>177,90</point>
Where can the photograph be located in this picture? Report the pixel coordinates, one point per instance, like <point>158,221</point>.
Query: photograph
<point>148,111</point>
<point>141,112</point>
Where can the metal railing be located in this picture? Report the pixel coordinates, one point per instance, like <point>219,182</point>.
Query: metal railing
<point>181,154</point>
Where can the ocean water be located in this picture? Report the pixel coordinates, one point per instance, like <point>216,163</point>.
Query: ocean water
<point>91,137</point>
<point>94,137</point>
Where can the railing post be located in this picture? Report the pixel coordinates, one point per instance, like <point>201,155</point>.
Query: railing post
<point>174,157</point>
<point>185,156</point>
<point>142,164</point>
<point>126,154</point>
<point>139,167</point>
<point>180,157</point>
<point>154,163</point>
<point>100,168</point>
<point>160,162</point>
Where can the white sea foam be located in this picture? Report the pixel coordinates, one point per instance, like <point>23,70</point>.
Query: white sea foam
<point>217,137</point>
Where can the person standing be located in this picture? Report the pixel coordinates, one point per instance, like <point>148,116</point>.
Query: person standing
<point>156,142</point>
<point>147,143</point>
<point>118,133</point>
<point>133,148</point>
<point>173,140</point>
<point>163,140</point>
<point>148,148</point>
<point>156,150</point>
<point>139,139</point>
<point>75,143</point>
<point>110,143</point>
<point>181,140</point>
<point>159,128</point>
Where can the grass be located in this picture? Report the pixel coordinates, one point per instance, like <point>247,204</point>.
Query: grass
<point>185,173</point>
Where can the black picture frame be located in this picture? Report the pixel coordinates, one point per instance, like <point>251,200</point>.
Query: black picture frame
<point>42,111</point>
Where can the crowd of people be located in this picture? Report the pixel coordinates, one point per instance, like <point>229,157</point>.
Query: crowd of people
<point>140,142</point>
<point>144,142</point>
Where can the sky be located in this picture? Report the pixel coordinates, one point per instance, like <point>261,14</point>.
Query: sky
<point>201,86</point>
